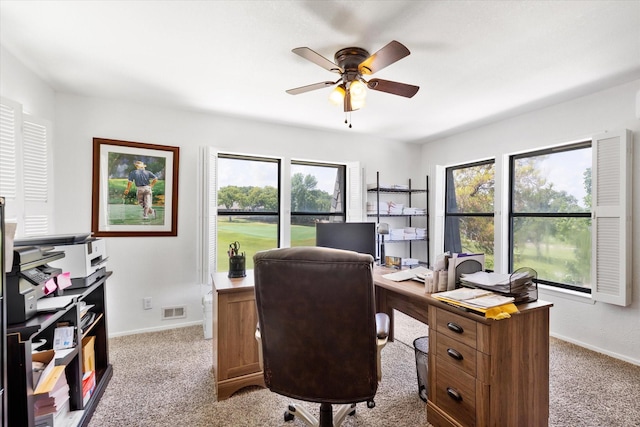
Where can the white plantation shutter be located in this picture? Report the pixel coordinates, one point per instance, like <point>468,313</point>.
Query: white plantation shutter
<point>9,133</point>
<point>611,213</point>
<point>355,192</point>
<point>35,176</point>
<point>208,221</point>
<point>25,169</point>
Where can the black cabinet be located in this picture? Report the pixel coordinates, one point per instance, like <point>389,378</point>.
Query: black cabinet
<point>37,333</point>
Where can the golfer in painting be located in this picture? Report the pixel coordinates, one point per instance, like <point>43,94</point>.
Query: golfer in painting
<point>144,181</point>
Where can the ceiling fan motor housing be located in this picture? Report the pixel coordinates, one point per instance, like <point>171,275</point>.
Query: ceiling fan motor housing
<point>349,59</point>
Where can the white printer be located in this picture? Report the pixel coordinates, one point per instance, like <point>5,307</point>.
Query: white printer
<point>85,260</point>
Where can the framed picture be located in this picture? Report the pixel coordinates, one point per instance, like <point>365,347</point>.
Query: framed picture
<point>135,189</point>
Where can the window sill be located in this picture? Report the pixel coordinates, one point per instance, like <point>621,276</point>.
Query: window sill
<point>566,294</point>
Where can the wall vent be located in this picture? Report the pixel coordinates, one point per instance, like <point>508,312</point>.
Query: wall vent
<point>177,312</point>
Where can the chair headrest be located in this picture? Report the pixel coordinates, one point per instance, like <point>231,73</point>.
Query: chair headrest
<point>312,253</point>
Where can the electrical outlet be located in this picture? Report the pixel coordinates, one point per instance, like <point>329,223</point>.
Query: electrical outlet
<point>146,303</point>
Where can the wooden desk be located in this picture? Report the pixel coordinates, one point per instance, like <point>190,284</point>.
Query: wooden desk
<point>482,372</point>
<point>235,349</point>
<point>485,372</point>
<point>407,296</point>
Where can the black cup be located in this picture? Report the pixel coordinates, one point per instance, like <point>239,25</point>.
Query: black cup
<point>237,266</point>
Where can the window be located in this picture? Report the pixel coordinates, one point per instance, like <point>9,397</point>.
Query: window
<point>317,194</point>
<point>469,209</point>
<point>248,194</point>
<point>550,215</point>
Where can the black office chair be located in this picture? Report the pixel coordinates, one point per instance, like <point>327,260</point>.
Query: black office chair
<point>320,337</point>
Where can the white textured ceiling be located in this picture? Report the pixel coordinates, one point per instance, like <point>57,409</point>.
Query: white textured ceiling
<point>475,61</point>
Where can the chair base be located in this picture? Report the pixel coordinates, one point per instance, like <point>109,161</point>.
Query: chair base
<point>327,417</point>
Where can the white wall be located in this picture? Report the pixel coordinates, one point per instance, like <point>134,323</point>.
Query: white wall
<point>22,85</point>
<point>164,268</point>
<point>603,327</point>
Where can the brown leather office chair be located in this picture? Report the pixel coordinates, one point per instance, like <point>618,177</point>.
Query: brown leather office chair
<point>320,337</point>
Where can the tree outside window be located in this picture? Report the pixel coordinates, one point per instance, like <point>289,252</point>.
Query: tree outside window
<point>550,216</point>
<point>317,194</point>
<point>248,206</point>
<point>469,210</point>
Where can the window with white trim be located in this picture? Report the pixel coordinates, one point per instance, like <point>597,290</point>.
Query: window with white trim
<point>550,215</point>
<point>570,216</point>
<point>274,177</point>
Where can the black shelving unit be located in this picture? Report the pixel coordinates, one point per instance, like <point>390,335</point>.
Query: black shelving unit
<point>21,339</point>
<point>409,192</point>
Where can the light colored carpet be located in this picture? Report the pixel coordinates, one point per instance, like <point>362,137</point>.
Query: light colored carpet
<point>164,379</point>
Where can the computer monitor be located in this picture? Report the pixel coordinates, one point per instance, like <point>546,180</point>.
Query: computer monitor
<point>352,236</point>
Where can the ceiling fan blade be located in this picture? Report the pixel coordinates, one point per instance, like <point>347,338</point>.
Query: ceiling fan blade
<point>316,58</point>
<point>309,88</point>
<point>394,88</point>
<point>392,52</point>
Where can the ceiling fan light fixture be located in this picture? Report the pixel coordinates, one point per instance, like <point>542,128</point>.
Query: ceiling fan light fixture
<point>356,102</point>
<point>358,90</point>
<point>336,97</point>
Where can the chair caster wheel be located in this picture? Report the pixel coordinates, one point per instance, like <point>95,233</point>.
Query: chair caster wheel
<point>353,412</point>
<point>288,416</point>
<point>371,404</point>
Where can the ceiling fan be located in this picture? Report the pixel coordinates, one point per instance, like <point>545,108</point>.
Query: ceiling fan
<point>353,63</point>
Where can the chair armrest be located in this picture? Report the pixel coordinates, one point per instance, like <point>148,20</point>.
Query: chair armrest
<point>382,325</point>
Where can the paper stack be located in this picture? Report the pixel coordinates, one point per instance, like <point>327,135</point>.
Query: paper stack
<point>396,233</point>
<point>475,299</point>
<point>51,396</point>
<point>396,208</point>
<point>372,208</point>
<point>414,211</point>
<point>409,233</point>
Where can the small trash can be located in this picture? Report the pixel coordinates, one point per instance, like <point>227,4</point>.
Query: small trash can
<point>207,316</point>
<point>421,346</point>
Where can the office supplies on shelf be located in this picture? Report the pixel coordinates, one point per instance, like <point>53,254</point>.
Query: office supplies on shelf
<point>63,337</point>
<point>463,263</point>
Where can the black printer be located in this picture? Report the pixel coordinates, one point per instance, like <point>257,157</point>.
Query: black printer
<point>26,281</point>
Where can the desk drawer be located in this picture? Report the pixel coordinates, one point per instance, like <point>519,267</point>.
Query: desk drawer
<point>460,355</point>
<point>457,327</point>
<point>455,392</point>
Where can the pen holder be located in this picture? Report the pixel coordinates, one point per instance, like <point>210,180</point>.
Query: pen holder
<point>237,266</point>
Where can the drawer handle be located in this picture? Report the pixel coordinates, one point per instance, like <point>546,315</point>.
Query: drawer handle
<point>455,327</point>
<point>454,353</point>
<point>453,393</point>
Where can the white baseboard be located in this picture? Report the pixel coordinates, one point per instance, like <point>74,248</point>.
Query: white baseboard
<point>157,329</point>
<point>597,349</point>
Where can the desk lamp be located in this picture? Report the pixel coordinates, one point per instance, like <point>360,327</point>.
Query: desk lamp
<point>383,228</point>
